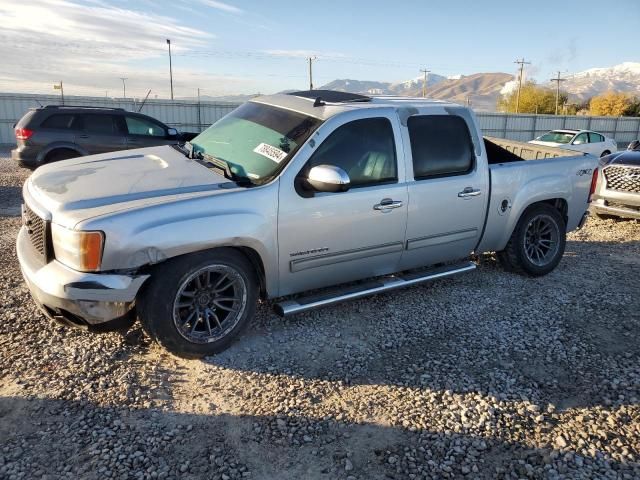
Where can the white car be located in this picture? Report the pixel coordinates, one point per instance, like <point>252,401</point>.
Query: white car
<point>579,140</point>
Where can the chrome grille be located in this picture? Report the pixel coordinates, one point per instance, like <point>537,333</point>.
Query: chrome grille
<point>37,231</point>
<point>623,179</point>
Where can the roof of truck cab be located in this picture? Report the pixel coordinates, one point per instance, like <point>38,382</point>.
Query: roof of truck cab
<point>327,109</point>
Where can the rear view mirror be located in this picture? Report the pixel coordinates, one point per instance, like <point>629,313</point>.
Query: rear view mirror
<point>172,132</point>
<point>328,178</point>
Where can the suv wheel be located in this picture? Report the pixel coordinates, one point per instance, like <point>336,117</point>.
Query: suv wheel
<point>196,305</point>
<point>537,243</point>
<point>57,155</point>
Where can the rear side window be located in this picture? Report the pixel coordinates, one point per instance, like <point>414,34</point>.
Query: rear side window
<point>100,124</point>
<point>595,137</point>
<point>440,145</point>
<point>62,121</point>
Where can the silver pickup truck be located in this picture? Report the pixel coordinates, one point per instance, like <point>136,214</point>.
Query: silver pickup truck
<point>307,198</point>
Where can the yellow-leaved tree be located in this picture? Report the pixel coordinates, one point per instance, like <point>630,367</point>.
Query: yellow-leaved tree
<point>533,98</point>
<point>610,104</point>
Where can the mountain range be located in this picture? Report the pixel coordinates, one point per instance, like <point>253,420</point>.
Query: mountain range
<point>481,90</point>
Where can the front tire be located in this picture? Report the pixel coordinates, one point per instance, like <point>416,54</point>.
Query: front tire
<point>198,304</point>
<point>605,153</point>
<point>537,243</point>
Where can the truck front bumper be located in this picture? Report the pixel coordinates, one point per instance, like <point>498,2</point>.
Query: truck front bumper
<point>76,298</point>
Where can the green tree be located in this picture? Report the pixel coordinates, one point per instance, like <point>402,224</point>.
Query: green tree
<point>533,98</point>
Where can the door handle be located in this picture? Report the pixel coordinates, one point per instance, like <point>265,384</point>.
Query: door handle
<point>83,136</point>
<point>387,204</point>
<point>469,192</point>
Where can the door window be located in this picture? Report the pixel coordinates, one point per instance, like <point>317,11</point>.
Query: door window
<point>440,145</point>
<point>595,137</point>
<point>62,121</point>
<point>365,149</point>
<point>142,126</point>
<point>581,139</point>
<point>99,124</point>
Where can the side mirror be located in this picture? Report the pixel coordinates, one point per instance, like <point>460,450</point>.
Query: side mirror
<point>172,132</point>
<point>328,178</point>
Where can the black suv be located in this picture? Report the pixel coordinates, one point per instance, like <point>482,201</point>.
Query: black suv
<point>53,133</point>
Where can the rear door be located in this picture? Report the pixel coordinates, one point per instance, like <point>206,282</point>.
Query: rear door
<point>100,133</point>
<point>448,189</point>
<point>597,144</point>
<point>145,132</point>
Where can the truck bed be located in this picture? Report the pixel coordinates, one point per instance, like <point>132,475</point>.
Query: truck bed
<point>500,150</point>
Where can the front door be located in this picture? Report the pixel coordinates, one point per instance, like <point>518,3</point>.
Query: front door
<point>331,238</point>
<point>448,193</point>
<point>143,132</point>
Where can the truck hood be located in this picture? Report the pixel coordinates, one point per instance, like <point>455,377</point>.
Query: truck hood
<point>629,158</point>
<point>80,188</point>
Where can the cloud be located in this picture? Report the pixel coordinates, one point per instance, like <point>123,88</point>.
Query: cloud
<point>225,7</point>
<point>89,46</point>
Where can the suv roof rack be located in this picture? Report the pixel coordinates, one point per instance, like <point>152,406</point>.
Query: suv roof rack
<point>84,106</point>
<point>331,96</point>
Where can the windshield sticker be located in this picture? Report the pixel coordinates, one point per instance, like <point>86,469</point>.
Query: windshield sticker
<point>272,153</point>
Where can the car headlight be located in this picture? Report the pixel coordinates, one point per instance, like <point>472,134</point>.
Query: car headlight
<point>77,249</point>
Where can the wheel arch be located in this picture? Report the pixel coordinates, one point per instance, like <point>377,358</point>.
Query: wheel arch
<point>58,146</point>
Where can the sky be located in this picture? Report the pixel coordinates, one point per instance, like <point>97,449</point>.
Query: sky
<point>251,46</point>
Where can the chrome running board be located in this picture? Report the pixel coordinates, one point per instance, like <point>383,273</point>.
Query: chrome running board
<point>304,303</point>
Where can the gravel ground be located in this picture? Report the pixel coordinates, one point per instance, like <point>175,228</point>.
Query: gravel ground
<point>489,375</point>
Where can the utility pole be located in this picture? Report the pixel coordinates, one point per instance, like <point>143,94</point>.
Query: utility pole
<point>59,87</point>
<point>558,80</point>
<point>311,59</point>
<point>170,68</point>
<point>124,87</point>
<point>522,63</point>
<point>424,83</point>
<point>199,119</point>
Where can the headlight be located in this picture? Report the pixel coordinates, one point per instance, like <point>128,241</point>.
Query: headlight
<point>76,249</point>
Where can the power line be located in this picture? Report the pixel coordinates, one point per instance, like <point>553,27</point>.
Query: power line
<point>558,79</point>
<point>522,63</point>
<point>424,83</point>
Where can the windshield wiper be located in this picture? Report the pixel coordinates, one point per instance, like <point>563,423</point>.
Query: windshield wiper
<point>224,167</point>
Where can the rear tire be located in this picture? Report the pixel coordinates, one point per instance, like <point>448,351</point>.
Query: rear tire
<point>198,304</point>
<point>537,243</point>
<point>605,153</point>
<point>58,155</point>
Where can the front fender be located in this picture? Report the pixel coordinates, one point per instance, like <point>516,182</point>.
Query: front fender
<point>151,235</point>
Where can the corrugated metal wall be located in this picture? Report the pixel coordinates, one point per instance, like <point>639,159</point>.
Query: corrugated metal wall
<point>526,127</point>
<point>185,115</point>
<point>188,115</point>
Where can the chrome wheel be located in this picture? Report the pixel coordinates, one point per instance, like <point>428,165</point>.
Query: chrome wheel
<point>209,303</point>
<point>541,240</point>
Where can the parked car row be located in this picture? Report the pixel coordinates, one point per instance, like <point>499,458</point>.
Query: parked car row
<point>52,133</point>
<point>578,140</point>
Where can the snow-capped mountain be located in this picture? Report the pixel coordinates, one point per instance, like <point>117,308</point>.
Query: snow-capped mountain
<point>619,78</point>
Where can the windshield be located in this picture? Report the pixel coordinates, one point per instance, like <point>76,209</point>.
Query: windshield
<point>557,137</point>
<point>256,140</point>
